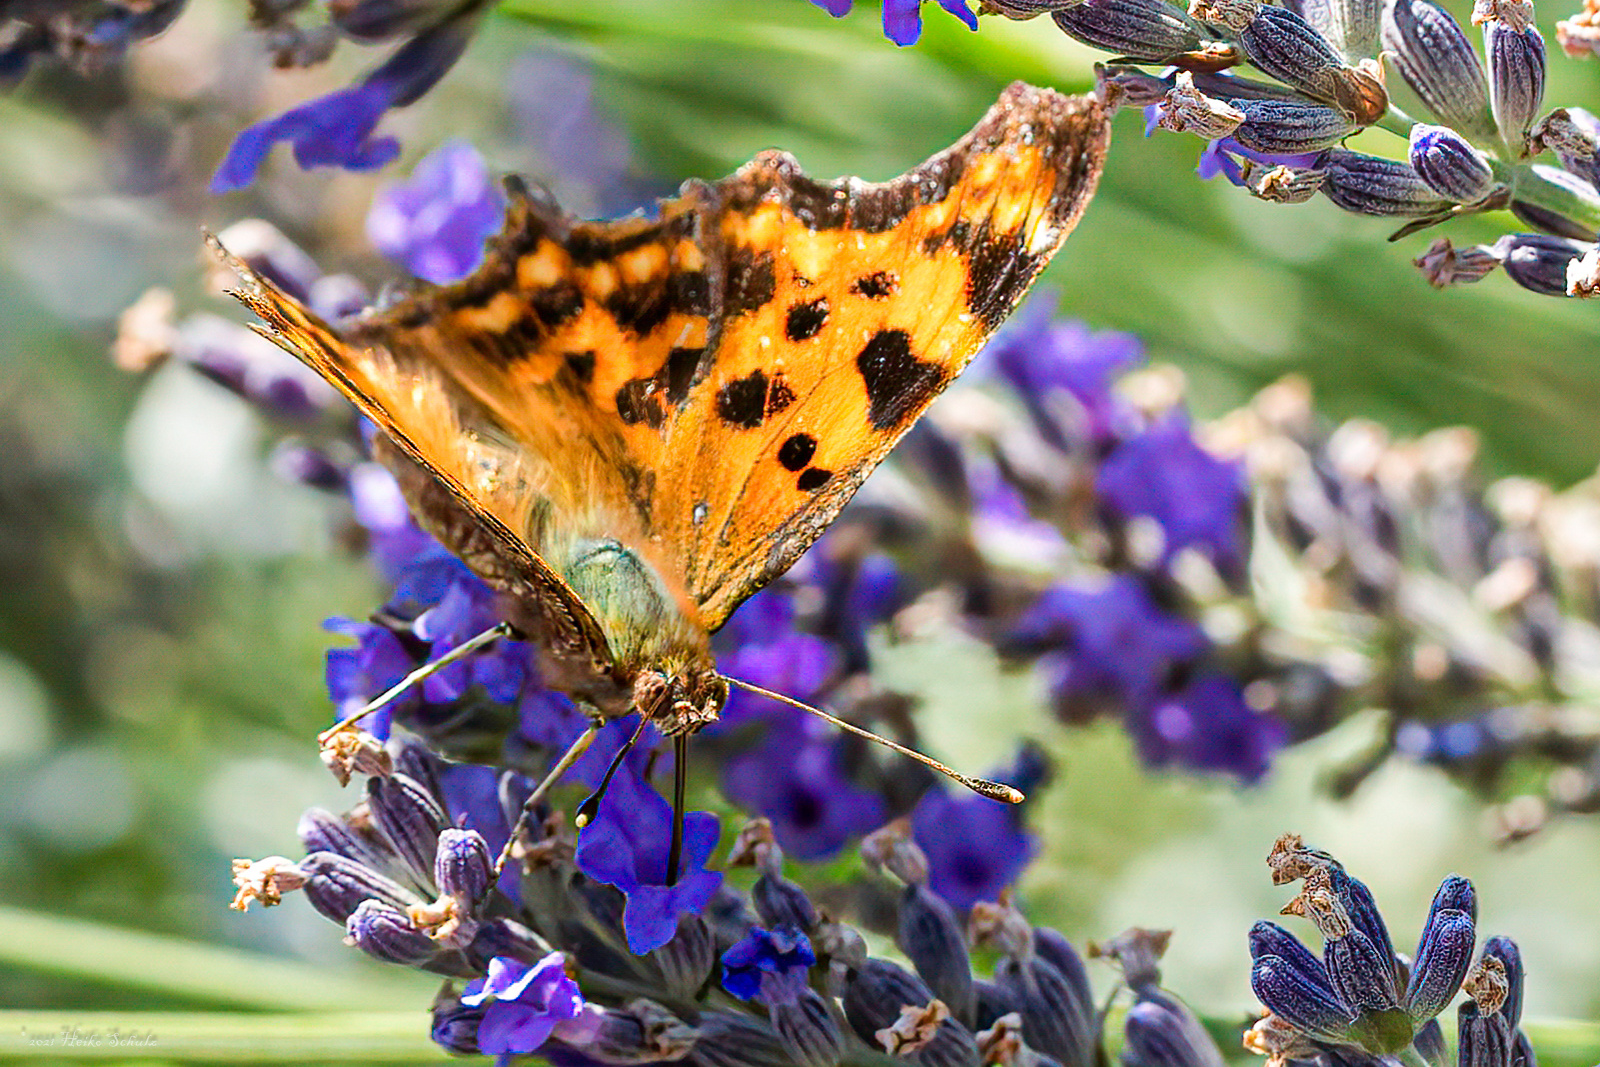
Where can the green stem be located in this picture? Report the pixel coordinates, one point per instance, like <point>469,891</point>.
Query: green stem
<point>204,974</point>
<point>1530,186</point>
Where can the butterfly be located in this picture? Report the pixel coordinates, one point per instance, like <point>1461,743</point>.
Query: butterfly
<point>627,427</point>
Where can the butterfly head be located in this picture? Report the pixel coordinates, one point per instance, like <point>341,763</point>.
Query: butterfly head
<point>682,701</point>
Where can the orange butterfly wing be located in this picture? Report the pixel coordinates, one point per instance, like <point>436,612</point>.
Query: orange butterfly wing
<point>706,388</point>
<point>849,307</point>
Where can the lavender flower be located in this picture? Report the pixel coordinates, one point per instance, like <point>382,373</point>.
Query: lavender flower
<point>902,19</point>
<point>436,223</point>
<point>339,130</point>
<point>626,847</point>
<point>524,1006</point>
<point>1356,995</point>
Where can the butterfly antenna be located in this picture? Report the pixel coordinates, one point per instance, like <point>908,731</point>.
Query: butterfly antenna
<point>525,816</point>
<point>461,651</point>
<point>591,807</point>
<point>981,786</point>
<point>680,776</point>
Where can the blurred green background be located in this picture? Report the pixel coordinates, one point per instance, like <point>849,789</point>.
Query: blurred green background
<point>161,591</point>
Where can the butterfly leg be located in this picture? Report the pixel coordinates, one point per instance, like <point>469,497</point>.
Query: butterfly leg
<point>568,758</point>
<point>461,651</point>
<point>591,807</point>
<point>680,776</point>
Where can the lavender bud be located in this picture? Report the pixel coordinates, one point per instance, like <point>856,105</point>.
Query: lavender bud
<point>1537,262</point>
<point>321,830</point>
<point>1283,44</point>
<point>294,461</point>
<point>1053,1016</point>
<point>1360,908</point>
<point>1436,60</point>
<point>1056,950</point>
<point>688,958</point>
<point>1363,976</point>
<point>1162,1032</point>
<point>1370,185</point>
<point>1281,184</point>
<point>932,939</point>
<point>463,867</point>
<point>1429,1042</point>
<point>338,296</point>
<point>729,1039</point>
<point>1289,126</point>
<point>642,1032</point>
<point>1022,9</point>
<point>410,818</point>
<point>388,934</point>
<point>1505,952</point>
<point>455,1025</point>
<point>378,20</point>
<point>1149,31</point>
<point>1130,87</point>
<point>992,1001</point>
<point>780,902</point>
<point>808,1030</point>
<point>1187,110</point>
<point>1450,166</point>
<point>1443,264</point>
<point>1482,1040</point>
<point>1294,985</point>
<point>505,937</point>
<point>874,999</point>
<point>1232,15</point>
<point>338,885</point>
<point>1516,79</point>
<point>1445,952</point>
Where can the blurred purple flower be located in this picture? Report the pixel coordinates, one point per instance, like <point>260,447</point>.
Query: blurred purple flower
<point>902,19</point>
<point>1222,157</point>
<point>1197,499</point>
<point>1114,641</point>
<point>525,1006</point>
<point>626,846</point>
<point>793,777</point>
<point>588,158</point>
<point>337,130</point>
<point>1207,726</point>
<point>1064,374</point>
<point>436,223</point>
<point>465,611</point>
<point>420,567</point>
<point>770,964</point>
<point>975,847</point>
<point>356,675</point>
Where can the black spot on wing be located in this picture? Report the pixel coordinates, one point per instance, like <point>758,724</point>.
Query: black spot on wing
<point>556,305</point>
<point>813,479</point>
<point>639,309</point>
<point>797,451</point>
<point>806,320</point>
<point>689,292</point>
<point>879,285</point>
<point>749,401</point>
<point>898,384</point>
<point>581,365</point>
<point>999,271</point>
<point>637,402</point>
<point>750,283</point>
<point>678,374</point>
